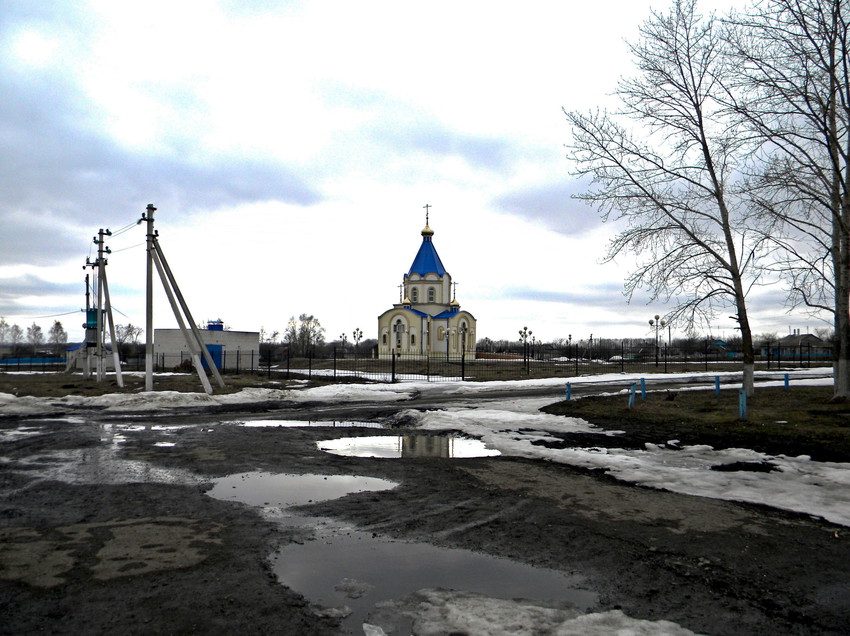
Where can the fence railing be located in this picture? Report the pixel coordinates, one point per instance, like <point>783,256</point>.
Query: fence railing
<point>527,362</point>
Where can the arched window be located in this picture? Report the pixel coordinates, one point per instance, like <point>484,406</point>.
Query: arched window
<point>412,340</point>
<point>414,294</point>
<point>431,295</point>
<point>384,339</point>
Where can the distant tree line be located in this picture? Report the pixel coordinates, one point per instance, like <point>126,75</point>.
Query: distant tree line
<point>14,337</point>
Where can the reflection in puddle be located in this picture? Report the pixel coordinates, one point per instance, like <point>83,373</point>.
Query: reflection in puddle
<point>394,446</point>
<point>351,571</point>
<point>283,490</point>
<point>306,423</point>
<point>348,571</point>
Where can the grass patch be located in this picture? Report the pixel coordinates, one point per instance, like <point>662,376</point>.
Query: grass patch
<point>799,421</point>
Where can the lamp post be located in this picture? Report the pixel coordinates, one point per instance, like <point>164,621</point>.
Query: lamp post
<point>524,335</point>
<point>658,324</point>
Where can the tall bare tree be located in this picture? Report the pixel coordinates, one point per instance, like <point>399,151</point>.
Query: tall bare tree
<point>665,168</point>
<point>792,90</point>
<point>35,336</point>
<point>304,334</point>
<point>16,337</point>
<point>57,337</point>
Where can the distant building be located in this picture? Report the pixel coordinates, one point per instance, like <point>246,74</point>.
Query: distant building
<point>230,350</point>
<point>428,321</point>
<point>797,345</point>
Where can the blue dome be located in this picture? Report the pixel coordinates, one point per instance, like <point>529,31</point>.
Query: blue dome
<point>427,260</point>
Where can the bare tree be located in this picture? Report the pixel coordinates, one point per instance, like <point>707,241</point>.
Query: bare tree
<point>792,69</point>
<point>57,337</point>
<point>673,186</point>
<point>16,337</point>
<point>35,336</point>
<point>304,334</point>
<point>4,330</point>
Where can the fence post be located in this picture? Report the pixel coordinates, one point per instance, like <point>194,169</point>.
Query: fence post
<point>717,385</point>
<point>287,364</point>
<point>742,404</point>
<point>463,366</point>
<point>643,388</point>
<point>334,363</point>
<point>392,368</point>
<point>622,356</point>
<point>632,395</point>
<point>666,353</point>
<point>786,381</point>
<point>569,391</point>
<point>706,354</point>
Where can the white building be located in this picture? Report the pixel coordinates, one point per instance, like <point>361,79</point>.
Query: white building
<point>428,321</point>
<point>230,350</point>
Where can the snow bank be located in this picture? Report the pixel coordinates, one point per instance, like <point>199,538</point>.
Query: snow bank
<point>436,611</point>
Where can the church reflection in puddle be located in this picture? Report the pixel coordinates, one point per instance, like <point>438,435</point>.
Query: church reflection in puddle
<point>396,446</point>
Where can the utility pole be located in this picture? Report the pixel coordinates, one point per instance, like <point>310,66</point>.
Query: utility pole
<point>148,216</point>
<point>103,294</point>
<point>191,333</point>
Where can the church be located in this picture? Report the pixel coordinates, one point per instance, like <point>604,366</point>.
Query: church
<point>428,321</point>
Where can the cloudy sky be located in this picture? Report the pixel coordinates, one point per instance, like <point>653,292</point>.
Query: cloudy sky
<point>290,147</point>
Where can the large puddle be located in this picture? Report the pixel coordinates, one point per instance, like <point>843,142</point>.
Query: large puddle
<point>348,572</point>
<point>260,423</point>
<point>397,446</point>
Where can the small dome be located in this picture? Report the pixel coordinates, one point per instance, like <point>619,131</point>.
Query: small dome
<point>427,231</point>
<point>454,303</point>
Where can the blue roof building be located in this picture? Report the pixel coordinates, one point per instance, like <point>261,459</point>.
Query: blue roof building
<point>427,320</point>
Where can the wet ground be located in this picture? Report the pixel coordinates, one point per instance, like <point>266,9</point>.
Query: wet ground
<point>169,524</point>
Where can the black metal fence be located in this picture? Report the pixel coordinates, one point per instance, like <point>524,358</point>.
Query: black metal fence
<point>531,361</point>
<point>547,361</point>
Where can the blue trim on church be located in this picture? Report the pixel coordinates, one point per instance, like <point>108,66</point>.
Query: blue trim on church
<point>427,260</point>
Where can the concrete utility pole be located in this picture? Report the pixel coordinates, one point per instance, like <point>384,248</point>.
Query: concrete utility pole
<point>191,333</point>
<point>103,294</point>
<point>148,216</point>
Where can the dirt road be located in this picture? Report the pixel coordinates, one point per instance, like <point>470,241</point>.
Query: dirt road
<point>105,528</point>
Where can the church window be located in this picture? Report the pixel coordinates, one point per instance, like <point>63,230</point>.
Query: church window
<point>431,295</point>
<point>412,340</point>
<point>414,294</point>
<point>384,341</point>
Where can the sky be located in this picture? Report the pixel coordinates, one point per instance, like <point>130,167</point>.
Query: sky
<point>290,149</point>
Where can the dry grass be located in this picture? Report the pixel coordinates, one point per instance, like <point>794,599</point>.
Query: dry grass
<point>801,420</point>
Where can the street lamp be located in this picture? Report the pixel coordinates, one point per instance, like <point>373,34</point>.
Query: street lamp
<point>524,335</point>
<point>658,324</point>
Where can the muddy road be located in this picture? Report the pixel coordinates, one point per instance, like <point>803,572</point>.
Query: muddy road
<point>106,527</point>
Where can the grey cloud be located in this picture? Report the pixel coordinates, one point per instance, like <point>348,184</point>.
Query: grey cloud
<point>408,135</point>
<point>480,152</point>
<point>552,206</point>
<point>29,285</point>
<point>60,173</point>
<point>597,296</point>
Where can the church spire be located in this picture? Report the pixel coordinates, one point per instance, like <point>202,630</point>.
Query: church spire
<point>427,231</point>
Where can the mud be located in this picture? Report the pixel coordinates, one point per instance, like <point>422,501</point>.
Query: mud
<point>106,535</point>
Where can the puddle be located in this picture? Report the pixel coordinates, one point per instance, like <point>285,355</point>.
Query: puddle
<point>100,466</point>
<point>351,571</point>
<point>306,424</point>
<point>395,446</point>
<point>22,432</point>
<point>345,572</point>
<point>283,490</point>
